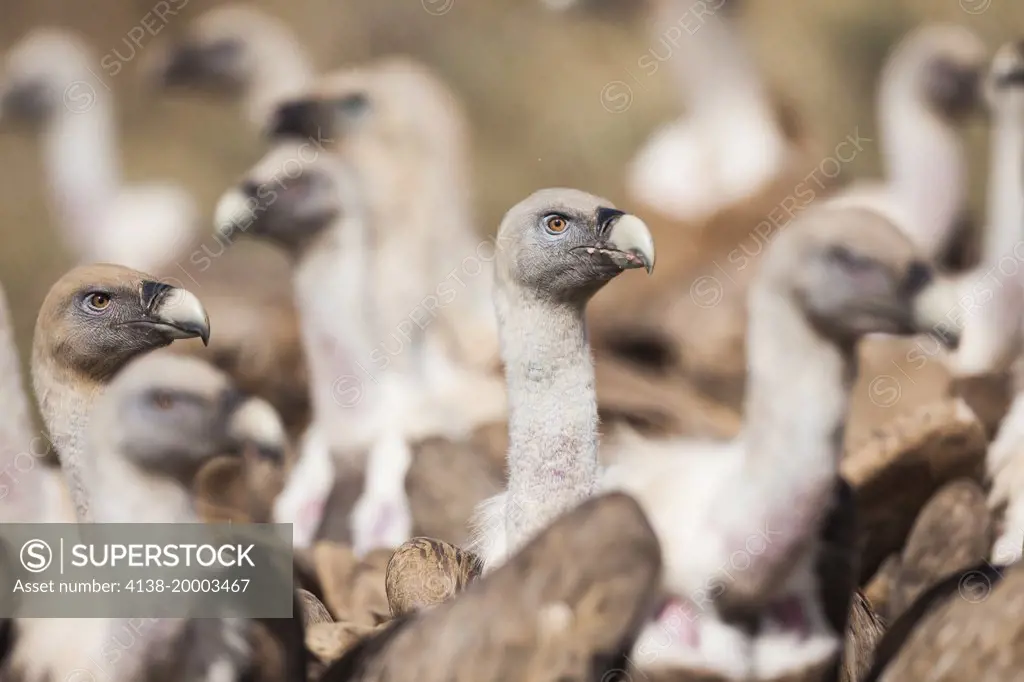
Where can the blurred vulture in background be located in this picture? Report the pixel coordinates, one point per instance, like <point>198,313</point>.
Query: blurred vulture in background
<point>236,52</point>
<point>48,83</point>
<point>159,421</point>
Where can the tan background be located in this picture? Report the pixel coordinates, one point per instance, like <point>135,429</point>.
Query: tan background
<point>531,82</point>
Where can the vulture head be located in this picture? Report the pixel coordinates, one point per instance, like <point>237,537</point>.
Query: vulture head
<point>98,317</point>
<point>215,52</point>
<point>167,415</point>
<point>563,245</point>
<point>1004,86</point>
<point>946,63</point>
<point>855,273</point>
<point>291,197</point>
<point>44,73</point>
<point>395,107</point>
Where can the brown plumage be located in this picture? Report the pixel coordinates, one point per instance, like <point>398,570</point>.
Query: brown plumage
<point>967,627</point>
<point>313,610</point>
<point>353,588</point>
<point>566,607</point>
<point>953,531</point>
<point>425,572</point>
<point>862,635</point>
<point>898,467</point>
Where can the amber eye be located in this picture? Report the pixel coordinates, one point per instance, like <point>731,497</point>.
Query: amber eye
<point>556,224</point>
<point>163,401</point>
<point>98,300</point>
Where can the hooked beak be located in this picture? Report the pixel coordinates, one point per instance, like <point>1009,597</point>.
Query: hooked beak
<point>234,209</point>
<point>933,309</point>
<point>628,241</point>
<point>256,423</point>
<point>302,118</point>
<point>176,312</point>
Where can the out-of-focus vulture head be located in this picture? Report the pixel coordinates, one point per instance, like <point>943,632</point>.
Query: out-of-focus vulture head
<point>564,245</point>
<point>1004,86</point>
<point>947,63</point>
<point>395,106</point>
<point>853,273</point>
<point>215,52</point>
<point>43,73</point>
<point>291,197</point>
<point>169,414</point>
<point>98,317</point>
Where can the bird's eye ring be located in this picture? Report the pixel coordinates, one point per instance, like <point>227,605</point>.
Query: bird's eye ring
<point>98,301</point>
<point>555,224</point>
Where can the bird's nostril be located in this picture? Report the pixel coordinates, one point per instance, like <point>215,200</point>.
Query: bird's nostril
<point>919,275</point>
<point>250,189</point>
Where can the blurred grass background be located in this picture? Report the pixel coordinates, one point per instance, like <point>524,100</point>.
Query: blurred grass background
<point>530,80</point>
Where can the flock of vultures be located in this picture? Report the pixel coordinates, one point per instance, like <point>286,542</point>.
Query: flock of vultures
<point>504,457</point>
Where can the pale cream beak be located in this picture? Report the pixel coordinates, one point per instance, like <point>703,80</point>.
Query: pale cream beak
<point>630,236</point>
<point>256,422</point>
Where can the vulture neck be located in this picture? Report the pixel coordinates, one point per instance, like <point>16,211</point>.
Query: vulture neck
<point>65,402</point>
<point>712,67</point>
<point>796,405</point>
<point>992,334</point>
<point>331,283</point>
<point>1005,188</point>
<point>552,455</point>
<point>23,484</point>
<point>924,163</point>
<point>281,70</point>
<point>80,158</point>
<point>123,494</point>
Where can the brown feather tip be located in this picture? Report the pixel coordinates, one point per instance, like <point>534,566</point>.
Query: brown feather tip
<point>328,641</point>
<point>353,587</point>
<point>424,572</point>
<point>952,532</point>
<point>899,466</point>
<point>313,610</point>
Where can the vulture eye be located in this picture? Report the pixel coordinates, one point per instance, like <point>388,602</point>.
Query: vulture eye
<point>162,400</point>
<point>555,224</point>
<point>98,301</point>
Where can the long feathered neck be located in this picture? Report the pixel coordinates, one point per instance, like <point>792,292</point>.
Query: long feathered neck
<point>65,402</point>
<point>332,298</point>
<point>281,69</point>
<point>23,483</point>
<point>990,341</point>
<point>1005,206</point>
<point>82,166</point>
<point>552,452</point>
<point>120,493</point>
<point>796,405</point>
<point>924,161</point>
<point>715,72</point>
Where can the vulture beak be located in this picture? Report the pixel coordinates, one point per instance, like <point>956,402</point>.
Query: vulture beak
<point>256,423</point>
<point>626,239</point>
<point>931,311</point>
<point>176,312</point>
<point>300,118</point>
<point>234,209</point>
